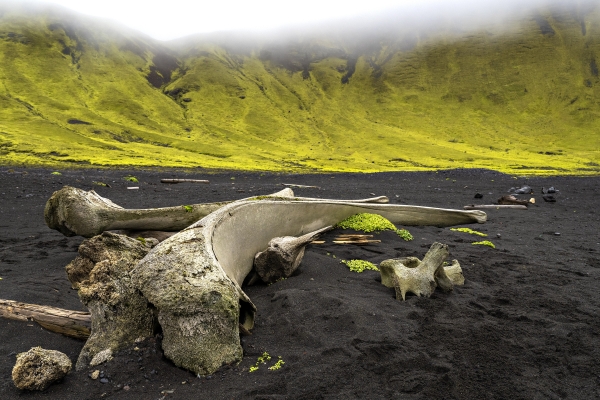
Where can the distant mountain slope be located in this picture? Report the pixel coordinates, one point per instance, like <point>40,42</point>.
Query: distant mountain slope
<point>523,98</point>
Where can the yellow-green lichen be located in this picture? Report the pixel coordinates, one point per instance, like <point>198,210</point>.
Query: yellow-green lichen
<point>360,265</point>
<point>485,243</point>
<point>188,208</point>
<point>468,230</point>
<point>131,178</point>
<point>366,222</point>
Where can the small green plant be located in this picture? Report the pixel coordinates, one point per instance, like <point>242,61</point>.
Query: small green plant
<point>141,239</point>
<point>277,365</point>
<point>485,243</point>
<point>261,360</point>
<point>131,178</point>
<point>360,265</point>
<point>56,173</point>
<point>404,234</point>
<point>100,184</point>
<point>264,358</point>
<point>366,222</point>
<point>468,230</point>
<point>188,208</point>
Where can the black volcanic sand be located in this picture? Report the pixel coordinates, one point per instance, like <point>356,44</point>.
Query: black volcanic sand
<point>525,325</point>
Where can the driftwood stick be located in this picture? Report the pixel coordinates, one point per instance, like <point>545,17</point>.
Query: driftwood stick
<point>497,206</point>
<point>75,324</point>
<point>293,185</point>
<point>184,180</point>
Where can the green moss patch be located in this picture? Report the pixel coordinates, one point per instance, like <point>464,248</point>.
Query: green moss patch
<point>360,265</point>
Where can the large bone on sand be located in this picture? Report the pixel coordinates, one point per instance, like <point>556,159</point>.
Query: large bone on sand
<point>194,277</point>
<point>73,211</point>
<point>412,275</point>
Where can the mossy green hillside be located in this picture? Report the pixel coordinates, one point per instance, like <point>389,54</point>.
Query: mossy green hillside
<point>523,99</point>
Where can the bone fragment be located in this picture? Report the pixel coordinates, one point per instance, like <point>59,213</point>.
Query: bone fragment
<point>493,206</point>
<point>283,255</point>
<point>421,277</point>
<point>75,324</point>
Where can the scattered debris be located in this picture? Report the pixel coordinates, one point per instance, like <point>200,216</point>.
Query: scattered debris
<point>551,189</point>
<point>549,198</point>
<point>507,200</point>
<point>173,181</point>
<point>522,190</point>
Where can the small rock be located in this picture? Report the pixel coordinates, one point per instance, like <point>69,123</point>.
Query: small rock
<point>101,357</point>
<point>38,368</point>
<point>104,380</point>
<point>478,195</point>
<point>126,387</point>
<point>556,233</point>
<point>94,375</point>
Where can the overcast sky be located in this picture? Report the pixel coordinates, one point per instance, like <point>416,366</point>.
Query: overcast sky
<point>170,19</point>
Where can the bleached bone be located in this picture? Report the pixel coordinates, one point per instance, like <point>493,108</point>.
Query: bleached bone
<point>409,274</point>
<point>73,211</point>
<point>194,277</point>
<point>282,257</point>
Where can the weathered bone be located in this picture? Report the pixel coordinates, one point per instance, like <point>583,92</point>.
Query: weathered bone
<point>73,211</point>
<point>101,273</point>
<point>282,257</point>
<point>194,278</point>
<point>409,274</point>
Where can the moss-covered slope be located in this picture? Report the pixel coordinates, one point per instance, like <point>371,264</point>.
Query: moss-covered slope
<point>521,98</point>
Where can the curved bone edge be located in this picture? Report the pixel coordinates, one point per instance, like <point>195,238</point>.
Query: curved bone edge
<point>283,255</point>
<point>119,313</point>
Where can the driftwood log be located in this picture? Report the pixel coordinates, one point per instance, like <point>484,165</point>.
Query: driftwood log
<point>75,324</point>
<point>184,180</point>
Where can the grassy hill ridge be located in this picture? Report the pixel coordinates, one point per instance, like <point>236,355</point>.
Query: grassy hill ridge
<point>76,91</point>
